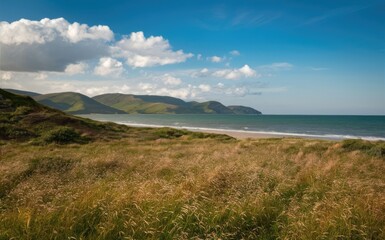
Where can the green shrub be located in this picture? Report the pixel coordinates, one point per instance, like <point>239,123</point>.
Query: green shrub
<point>376,149</point>
<point>169,133</point>
<point>9,131</point>
<point>63,135</point>
<point>22,110</point>
<point>356,144</point>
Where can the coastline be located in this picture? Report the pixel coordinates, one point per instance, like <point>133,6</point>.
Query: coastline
<point>243,134</point>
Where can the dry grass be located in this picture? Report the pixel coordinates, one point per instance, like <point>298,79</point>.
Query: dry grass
<point>187,188</point>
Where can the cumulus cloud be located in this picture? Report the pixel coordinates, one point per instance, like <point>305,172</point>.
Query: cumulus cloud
<point>140,51</point>
<point>55,45</point>
<point>48,30</point>
<point>233,74</point>
<point>204,87</point>
<point>77,68</point>
<point>170,80</point>
<point>216,59</point>
<point>108,67</point>
<point>50,44</point>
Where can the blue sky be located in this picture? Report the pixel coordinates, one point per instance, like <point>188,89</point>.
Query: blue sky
<point>278,57</point>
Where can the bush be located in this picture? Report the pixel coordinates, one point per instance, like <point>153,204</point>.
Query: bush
<point>376,149</point>
<point>169,133</point>
<point>22,110</point>
<point>356,144</point>
<point>9,131</point>
<point>63,135</point>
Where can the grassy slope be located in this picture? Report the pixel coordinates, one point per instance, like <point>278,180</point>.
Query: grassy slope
<point>170,184</point>
<point>74,103</point>
<point>21,92</point>
<point>162,104</point>
<point>243,110</point>
<point>22,119</point>
<point>185,188</point>
<point>132,104</point>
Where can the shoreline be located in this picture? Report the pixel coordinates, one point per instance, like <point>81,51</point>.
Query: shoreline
<point>256,135</point>
<point>330,134</point>
<point>243,134</point>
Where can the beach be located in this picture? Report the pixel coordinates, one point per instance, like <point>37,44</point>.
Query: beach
<point>260,126</point>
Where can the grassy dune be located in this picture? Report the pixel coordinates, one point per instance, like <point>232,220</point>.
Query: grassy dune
<point>64,177</point>
<point>181,186</point>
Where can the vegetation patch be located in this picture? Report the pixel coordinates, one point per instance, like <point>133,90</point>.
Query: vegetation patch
<point>63,135</point>
<point>376,149</point>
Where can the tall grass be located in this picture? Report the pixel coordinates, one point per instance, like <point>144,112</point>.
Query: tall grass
<point>177,187</point>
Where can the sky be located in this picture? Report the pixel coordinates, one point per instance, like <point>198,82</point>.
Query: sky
<point>280,57</point>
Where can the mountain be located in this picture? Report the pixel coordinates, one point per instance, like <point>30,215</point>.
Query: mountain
<point>139,104</point>
<point>22,118</point>
<point>243,110</point>
<point>21,92</point>
<point>162,104</point>
<point>74,103</point>
<point>25,120</point>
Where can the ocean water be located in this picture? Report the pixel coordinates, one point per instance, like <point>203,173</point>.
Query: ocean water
<point>329,127</point>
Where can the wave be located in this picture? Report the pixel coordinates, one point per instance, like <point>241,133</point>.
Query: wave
<point>288,134</point>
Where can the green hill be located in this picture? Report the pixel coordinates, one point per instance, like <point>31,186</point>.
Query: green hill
<point>111,103</point>
<point>74,103</point>
<point>167,105</point>
<point>138,104</point>
<point>243,110</point>
<point>22,92</point>
<point>22,118</point>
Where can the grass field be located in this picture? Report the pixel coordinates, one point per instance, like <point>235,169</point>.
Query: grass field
<point>183,186</point>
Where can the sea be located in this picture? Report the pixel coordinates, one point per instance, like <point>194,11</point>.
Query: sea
<point>313,126</point>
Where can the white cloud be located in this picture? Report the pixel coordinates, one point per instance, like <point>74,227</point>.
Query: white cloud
<point>199,56</point>
<point>50,44</point>
<point>183,93</point>
<point>204,87</point>
<point>148,87</point>
<point>93,91</point>
<point>108,66</point>
<point>216,59</point>
<point>57,45</point>
<point>41,76</point>
<point>77,68</point>
<point>232,74</point>
<point>140,51</point>
<point>235,53</point>
<point>6,75</point>
<point>48,30</point>
<point>247,71</point>
<point>170,80</point>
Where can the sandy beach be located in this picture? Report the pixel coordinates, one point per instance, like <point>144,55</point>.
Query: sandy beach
<point>259,135</point>
<point>242,134</point>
